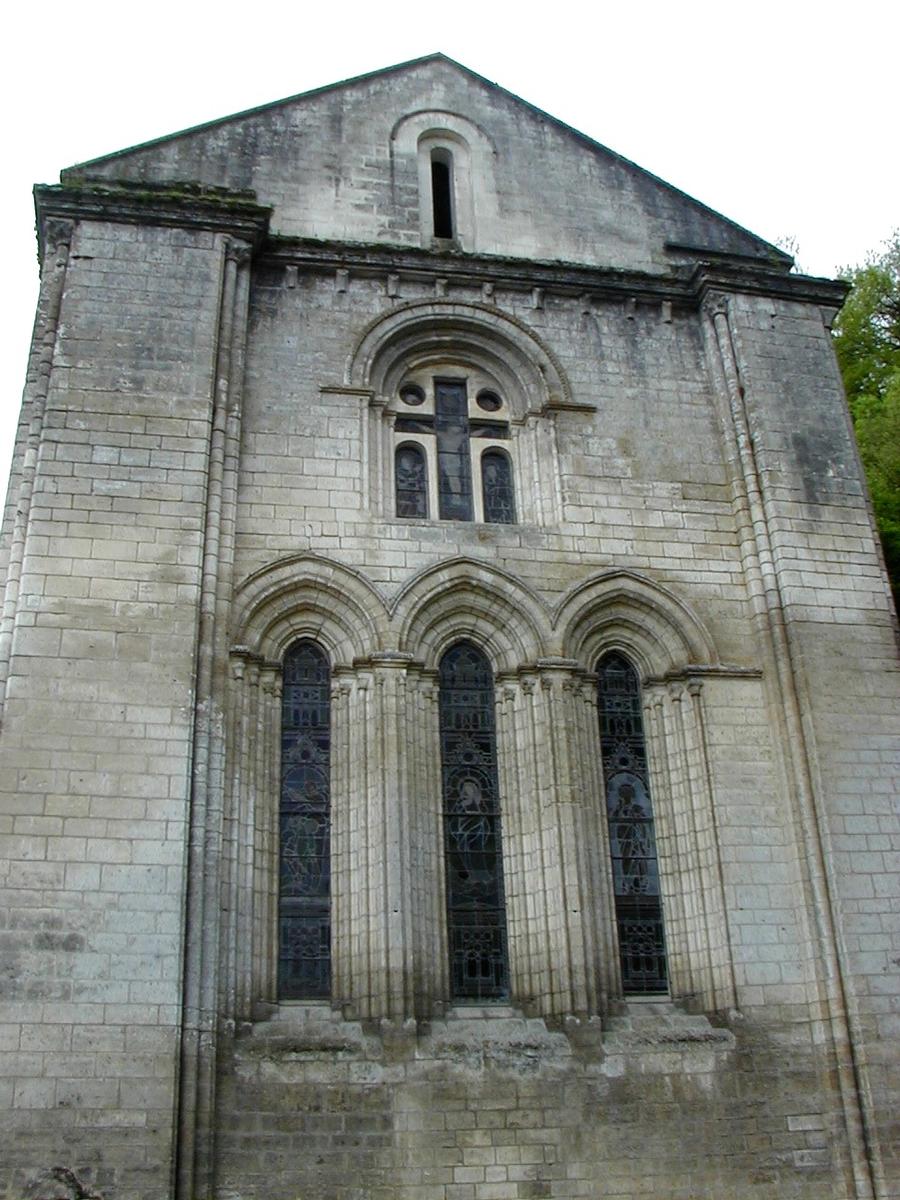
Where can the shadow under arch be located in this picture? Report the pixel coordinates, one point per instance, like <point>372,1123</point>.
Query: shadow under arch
<point>309,596</point>
<point>413,334</point>
<point>622,610</point>
<point>464,599</point>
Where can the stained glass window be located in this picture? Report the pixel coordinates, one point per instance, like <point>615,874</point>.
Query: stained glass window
<point>411,481</point>
<point>631,837</point>
<point>304,957</point>
<point>497,488</point>
<point>475,904</point>
<point>453,431</point>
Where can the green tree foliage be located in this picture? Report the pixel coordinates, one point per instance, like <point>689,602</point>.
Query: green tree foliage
<point>867,341</point>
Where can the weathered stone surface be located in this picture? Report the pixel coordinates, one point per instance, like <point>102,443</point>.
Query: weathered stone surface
<point>204,475</point>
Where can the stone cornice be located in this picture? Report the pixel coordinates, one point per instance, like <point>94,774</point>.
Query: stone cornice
<point>173,205</point>
<point>684,284</point>
<point>695,671</point>
<point>366,260</point>
<point>709,277</point>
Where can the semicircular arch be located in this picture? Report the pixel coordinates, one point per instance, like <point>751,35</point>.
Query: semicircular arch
<point>308,596</point>
<point>464,599</point>
<point>427,331</point>
<point>622,610</point>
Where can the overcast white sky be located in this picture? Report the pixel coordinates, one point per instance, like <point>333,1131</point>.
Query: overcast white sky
<point>783,116</point>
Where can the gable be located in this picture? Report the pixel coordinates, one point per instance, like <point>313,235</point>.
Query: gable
<point>345,163</point>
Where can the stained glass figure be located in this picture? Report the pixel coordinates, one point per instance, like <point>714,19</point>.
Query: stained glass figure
<point>304,957</point>
<point>631,837</point>
<point>451,425</point>
<point>475,904</point>
<point>411,482</point>
<point>497,488</point>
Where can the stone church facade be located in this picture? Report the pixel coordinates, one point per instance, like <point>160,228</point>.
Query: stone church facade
<point>449,682</point>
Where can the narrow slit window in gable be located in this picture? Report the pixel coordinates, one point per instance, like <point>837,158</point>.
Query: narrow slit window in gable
<point>441,193</point>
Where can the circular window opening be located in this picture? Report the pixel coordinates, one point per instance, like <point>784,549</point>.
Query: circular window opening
<point>412,394</point>
<point>489,401</point>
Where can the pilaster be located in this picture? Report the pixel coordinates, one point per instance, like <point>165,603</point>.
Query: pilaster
<point>53,279</point>
<point>697,945</point>
<point>205,825</point>
<point>388,960</point>
<point>755,519</point>
<point>553,842</point>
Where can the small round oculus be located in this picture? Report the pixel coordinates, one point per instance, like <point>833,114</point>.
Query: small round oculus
<point>488,401</point>
<point>412,395</point>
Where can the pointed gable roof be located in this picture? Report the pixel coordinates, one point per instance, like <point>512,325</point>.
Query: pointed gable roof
<point>270,149</point>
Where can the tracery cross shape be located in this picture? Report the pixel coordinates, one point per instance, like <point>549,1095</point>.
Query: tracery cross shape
<point>452,429</point>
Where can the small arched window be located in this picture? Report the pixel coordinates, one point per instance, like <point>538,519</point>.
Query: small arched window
<point>497,488</point>
<point>442,192</point>
<point>411,481</point>
<point>632,841</point>
<point>476,914</point>
<point>304,918</point>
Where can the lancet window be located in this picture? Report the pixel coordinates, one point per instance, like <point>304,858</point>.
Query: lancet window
<point>442,192</point>
<point>411,481</point>
<point>474,871</point>
<point>497,488</point>
<point>632,840</point>
<point>304,958</point>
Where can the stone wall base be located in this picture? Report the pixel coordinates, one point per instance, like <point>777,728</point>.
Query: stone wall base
<point>488,1105</point>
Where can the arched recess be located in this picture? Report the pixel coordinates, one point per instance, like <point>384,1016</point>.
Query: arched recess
<point>481,348</point>
<point>414,139</point>
<point>298,599</point>
<point>431,330</point>
<point>625,611</point>
<point>307,596</point>
<point>673,653</point>
<point>464,598</point>
<point>467,601</point>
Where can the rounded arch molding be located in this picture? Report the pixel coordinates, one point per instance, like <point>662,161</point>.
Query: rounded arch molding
<point>466,599</point>
<point>415,333</point>
<point>622,610</point>
<point>307,596</point>
<point>409,128</point>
